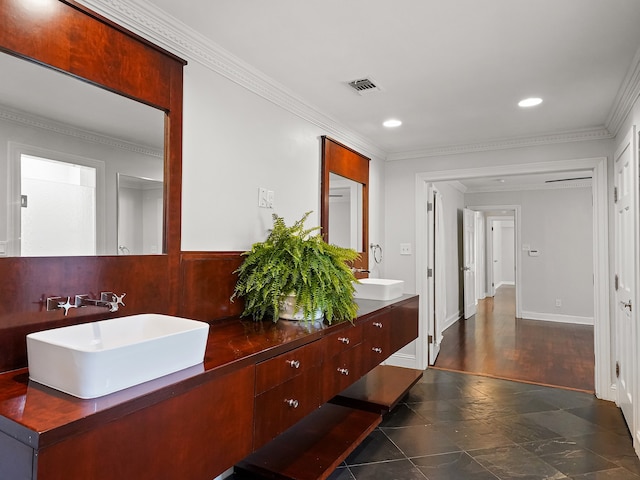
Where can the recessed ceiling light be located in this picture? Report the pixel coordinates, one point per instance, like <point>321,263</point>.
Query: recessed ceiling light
<point>392,123</point>
<point>530,102</point>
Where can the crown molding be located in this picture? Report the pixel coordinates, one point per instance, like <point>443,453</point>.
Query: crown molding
<point>626,97</point>
<point>148,21</point>
<point>461,187</point>
<point>35,121</point>
<point>583,135</point>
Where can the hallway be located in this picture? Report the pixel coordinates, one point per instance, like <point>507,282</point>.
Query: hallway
<point>495,343</point>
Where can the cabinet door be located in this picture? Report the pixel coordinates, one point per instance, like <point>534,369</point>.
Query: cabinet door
<point>343,340</point>
<point>282,368</point>
<point>282,406</point>
<point>405,324</point>
<point>196,435</point>
<point>340,371</point>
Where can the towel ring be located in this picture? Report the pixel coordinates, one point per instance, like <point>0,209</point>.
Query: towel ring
<point>376,251</point>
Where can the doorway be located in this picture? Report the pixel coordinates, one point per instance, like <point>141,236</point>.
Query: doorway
<point>604,387</point>
<point>57,207</point>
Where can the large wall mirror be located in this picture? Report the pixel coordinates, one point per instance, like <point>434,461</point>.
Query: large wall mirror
<point>345,199</point>
<point>76,154</point>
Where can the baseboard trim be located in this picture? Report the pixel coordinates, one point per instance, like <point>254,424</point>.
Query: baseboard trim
<point>402,360</point>
<point>554,317</point>
<point>451,320</point>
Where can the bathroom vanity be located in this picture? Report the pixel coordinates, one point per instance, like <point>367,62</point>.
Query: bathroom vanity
<point>286,399</point>
<point>265,391</point>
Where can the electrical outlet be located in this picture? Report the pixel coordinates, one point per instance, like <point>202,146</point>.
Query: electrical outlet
<point>405,249</point>
<point>262,197</point>
<point>270,197</point>
<point>558,302</point>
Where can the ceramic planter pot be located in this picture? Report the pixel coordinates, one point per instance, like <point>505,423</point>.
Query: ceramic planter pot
<point>288,310</point>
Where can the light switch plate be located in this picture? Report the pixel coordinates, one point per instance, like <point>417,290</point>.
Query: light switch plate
<point>262,197</point>
<point>405,249</point>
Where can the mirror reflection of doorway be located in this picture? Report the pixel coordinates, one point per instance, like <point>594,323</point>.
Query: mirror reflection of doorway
<point>57,207</point>
<point>140,212</point>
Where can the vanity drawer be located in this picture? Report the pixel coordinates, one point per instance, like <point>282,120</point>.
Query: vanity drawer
<point>279,408</point>
<point>286,366</point>
<point>377,340</point>
<point>343,340</point>
<point>340,371</point>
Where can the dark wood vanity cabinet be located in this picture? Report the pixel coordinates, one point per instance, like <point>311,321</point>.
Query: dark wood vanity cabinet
<point>342,361</point>
<point>287,389</point>
<point>264,390</point>
<point>312,447</point>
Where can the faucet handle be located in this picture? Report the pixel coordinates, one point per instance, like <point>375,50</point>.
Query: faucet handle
<point>66,305</point>
<point>111,297</point>
<point>54,303</point>
<point>118,299</point>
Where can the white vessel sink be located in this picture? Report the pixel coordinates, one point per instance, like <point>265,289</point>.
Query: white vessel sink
<point>379,289</point>
<point>95,359</point>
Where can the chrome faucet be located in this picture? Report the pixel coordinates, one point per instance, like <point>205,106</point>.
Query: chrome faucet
<point>107,299</point>
<point>359,270</point>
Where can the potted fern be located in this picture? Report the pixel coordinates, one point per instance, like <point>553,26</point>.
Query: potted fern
<point>295,267</point>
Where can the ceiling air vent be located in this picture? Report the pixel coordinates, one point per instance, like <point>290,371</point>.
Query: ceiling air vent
<point>365,86</point>
<point>567,179</point>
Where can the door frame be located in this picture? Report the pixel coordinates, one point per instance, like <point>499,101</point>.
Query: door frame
<point>517,251</point>
<point>604,384</point>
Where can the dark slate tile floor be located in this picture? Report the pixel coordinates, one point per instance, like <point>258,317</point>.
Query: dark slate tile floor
<point>455,426</point>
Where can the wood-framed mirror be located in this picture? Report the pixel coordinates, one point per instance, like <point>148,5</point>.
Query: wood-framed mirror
<point>344,210</point>
<point>67,37</point>
<point>75,92</point>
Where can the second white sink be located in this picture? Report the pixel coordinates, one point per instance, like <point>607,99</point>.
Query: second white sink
<point>94,359</point>
<point>379,289</point>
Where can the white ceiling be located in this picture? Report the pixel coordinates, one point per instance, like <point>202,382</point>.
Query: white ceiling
<point>452,71</point>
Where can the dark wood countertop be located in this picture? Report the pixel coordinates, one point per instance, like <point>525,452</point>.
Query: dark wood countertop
<point>39,416</point>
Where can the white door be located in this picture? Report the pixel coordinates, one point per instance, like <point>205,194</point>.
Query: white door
<point>625,198</point>
<point>469,259</point>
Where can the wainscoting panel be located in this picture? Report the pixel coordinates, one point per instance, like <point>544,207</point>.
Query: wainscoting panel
<point>207,283</point>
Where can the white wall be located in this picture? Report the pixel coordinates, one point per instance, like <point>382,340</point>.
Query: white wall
<point>559,224</point>
<point>236,142</point>
<point>400,189</point>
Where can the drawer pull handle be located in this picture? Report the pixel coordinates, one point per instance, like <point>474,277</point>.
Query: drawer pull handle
<point>377,349</point>
<point>294,363</point>
<point>291,402</point>
<point>343,371</point>
<point>344,340</point>
<point>377,324</point>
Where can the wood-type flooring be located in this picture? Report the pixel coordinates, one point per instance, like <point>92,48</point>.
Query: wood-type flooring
<point>495,343</point>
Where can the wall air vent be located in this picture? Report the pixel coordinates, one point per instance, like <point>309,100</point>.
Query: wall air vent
<point>365,86</point>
